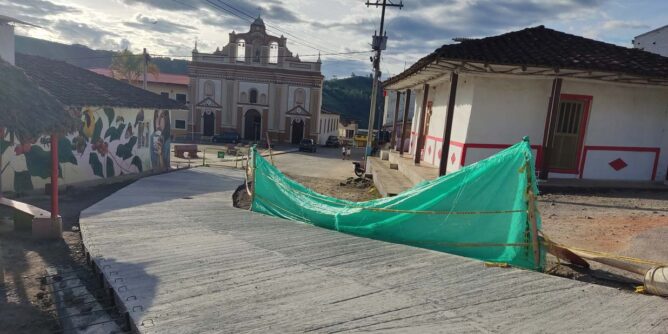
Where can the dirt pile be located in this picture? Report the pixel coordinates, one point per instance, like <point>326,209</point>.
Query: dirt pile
<point>359,182</point>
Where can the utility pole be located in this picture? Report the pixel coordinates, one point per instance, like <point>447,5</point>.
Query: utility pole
<point>378,44</point>
<point>146,59</point>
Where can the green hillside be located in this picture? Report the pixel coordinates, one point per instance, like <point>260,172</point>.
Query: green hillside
<point>86,57</point>
<point>349,96</point>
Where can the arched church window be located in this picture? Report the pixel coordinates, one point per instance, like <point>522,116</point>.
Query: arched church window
<point>241,50</point>
<point>243,97</point>
<point>253,95</point>
<point>263,98</point>
<point>208,88</point>
<point>273,53</point>
<point>300,97</point>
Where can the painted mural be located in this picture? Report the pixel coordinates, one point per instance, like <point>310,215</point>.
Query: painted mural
<point>111,142</point>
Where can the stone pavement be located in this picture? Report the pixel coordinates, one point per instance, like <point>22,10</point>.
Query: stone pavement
<point>181,259</point>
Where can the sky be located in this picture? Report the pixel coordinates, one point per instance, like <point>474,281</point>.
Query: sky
<point>171,27</point>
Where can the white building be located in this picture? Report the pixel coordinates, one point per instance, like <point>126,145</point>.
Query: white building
<point>329,125</point>
<point>255,86</point>
<point>393,123</point>
<point>655,41</point>
<point>348,130</point>
<point>8,49</point>
<point>592,110</point>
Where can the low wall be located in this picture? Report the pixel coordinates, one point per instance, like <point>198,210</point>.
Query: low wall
<point>111,143</point>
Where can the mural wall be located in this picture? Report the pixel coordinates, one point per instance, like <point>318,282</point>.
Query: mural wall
<point>111,142</point>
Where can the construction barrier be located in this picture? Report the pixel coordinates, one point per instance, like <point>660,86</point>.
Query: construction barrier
<point>485,210</point>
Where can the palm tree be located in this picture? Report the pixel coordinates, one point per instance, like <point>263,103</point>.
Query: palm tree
<point>129,67</point>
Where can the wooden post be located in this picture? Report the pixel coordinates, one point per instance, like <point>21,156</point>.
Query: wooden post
<point>271,157</point>
<point>531,215</point>
<point>393,140</point>
<point>407,105</point>
<point>551,125</point>
<point>423,114</point>
<point>54,178</point>
<point>2,169</point>
<point>447,132</point>
<point>254,153</point>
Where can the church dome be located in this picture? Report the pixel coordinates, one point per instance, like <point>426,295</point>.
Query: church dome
<point>258,21</point>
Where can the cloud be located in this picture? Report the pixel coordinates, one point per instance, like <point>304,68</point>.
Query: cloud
<point>151,24</point>
<point>81,33</point>
<point>343,68</point>
<point>275,13</point>
<point>34,11</point>
<point>35,8</point>
<point>617,24</point>
<point>180,5</point>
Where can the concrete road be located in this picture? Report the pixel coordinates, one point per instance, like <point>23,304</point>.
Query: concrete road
<point>326,162</point>
<point>180,259</point>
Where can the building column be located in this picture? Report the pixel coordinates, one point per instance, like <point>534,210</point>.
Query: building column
<point>551,125</point>
<point>447,132</point>
<point>393,140</point>
<point>219,122</point>
<point>405,120</point>
<point>287,135</point>
<point>420,135</point>
<point>240,119</point>
<point>265,123</point>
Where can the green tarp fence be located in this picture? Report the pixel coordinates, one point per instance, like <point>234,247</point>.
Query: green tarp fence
<point>480,211</point>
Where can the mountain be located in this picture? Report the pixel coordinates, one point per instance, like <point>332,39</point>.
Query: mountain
<point>86,57</point>
<point>348,97</point>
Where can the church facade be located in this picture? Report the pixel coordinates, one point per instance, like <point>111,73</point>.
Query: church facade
<point>255,87</point>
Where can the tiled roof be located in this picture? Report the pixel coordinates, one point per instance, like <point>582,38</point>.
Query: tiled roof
<point>173,79</point>
<point>74,86</point>
<point>543,47</point>
<point>325,111</point>
<point>27,109</point>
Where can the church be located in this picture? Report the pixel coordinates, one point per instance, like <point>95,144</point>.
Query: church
<point>255,87</point>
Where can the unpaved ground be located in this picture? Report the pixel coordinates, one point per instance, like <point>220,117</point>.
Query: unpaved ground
<point>352,191</point>
<point>630,223</point>
<point>25,302</point>
<point>26,305</point>
<point>333,188</point>
<point>608,222</point>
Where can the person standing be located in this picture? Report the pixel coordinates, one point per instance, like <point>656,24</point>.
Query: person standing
<point>348,152</point>
<point>343,152</point>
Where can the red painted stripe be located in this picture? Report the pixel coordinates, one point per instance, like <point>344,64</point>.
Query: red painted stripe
<point>655,150</point>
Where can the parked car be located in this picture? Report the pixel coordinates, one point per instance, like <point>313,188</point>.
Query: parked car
<point>332,141</point>
<point>226,137</point>
<point>307,145</point>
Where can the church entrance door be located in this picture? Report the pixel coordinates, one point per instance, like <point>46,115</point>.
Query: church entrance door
<point>297,131</point>
<point>209,120</point>
<point>253,125</point>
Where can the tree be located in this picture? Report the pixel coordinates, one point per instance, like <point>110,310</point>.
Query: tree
<point>129,67</point>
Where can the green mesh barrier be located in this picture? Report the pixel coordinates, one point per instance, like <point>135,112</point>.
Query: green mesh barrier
<point>480,211</point>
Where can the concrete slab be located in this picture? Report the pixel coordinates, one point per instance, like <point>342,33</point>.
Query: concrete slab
<point>388,181</point>
<point>181,259</point>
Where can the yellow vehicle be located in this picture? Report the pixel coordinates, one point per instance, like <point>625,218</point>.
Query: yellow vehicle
<point>360,138</point>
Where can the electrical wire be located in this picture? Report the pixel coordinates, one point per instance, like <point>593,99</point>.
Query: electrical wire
<point>316,46</point>
<point>213,55</point>
<point>249,19</point>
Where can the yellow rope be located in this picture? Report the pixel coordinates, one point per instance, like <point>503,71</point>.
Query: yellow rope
<point>427,212</point>
<point>547,241</point>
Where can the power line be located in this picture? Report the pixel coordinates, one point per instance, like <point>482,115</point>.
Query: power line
<point>304,42</point>
<point>318,47</point>
<point>214,55</point>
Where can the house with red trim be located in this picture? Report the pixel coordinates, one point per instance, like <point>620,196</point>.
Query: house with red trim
<point>592,110</point>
